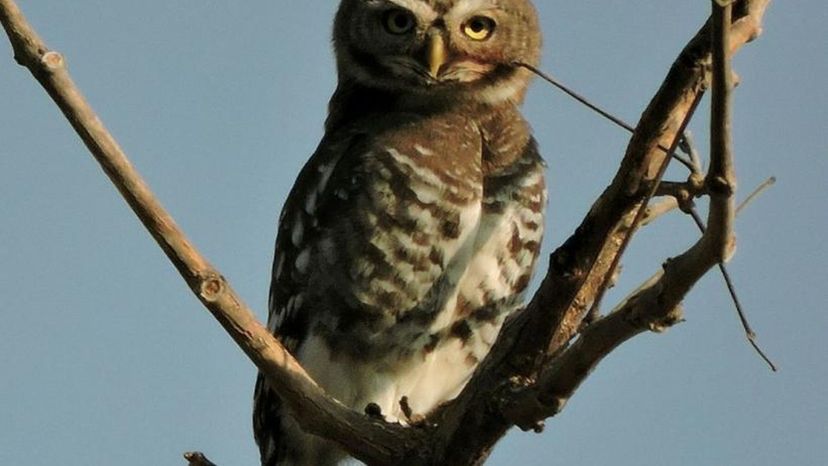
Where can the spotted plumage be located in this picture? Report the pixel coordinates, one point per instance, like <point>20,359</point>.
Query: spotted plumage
<point>412,231</point>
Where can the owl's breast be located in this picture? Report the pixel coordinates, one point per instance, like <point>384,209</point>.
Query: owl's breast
<point>422,246</point>
<point>409,201</point>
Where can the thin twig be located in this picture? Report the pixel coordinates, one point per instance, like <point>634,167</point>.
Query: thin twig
<point>642,210</point>
<point>684,191</point>
<point>694,164</point>
<point>731,288</point>
<point>658,210</point>
<point>756,193</point>
<point>688,146</point>
<point>669,204</point>
<point>657,306</point>
<point>721,178</point>
<point>609,116</point>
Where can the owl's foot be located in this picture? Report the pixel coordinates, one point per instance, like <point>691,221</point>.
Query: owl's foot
<point>411,418</point>
<point>373,410</point>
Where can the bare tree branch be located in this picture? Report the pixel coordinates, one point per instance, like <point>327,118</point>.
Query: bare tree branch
<point>721,177</point>
<point>577,269</point>
<point>369,439</point>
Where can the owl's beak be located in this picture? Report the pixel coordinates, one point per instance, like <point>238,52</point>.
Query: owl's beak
<point>436,50</point>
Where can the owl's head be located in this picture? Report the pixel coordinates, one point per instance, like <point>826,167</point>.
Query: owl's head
<point>457,49</point>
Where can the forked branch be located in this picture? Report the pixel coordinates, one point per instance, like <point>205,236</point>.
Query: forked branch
<point>657,305</point>
<point>533,369</point>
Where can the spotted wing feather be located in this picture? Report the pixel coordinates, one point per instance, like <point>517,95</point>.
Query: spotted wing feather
<point>298,225</point>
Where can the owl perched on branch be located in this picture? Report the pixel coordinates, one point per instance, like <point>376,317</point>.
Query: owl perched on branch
<point>412,231</point>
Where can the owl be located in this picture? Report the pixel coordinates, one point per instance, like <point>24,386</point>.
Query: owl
<point>412,232</point>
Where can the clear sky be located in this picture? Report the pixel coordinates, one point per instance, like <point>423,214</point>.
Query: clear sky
<point>106,357</point>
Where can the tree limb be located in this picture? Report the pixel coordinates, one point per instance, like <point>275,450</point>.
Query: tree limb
<point>657,305</point>
<point>368,439</point>
<point>529,343</point>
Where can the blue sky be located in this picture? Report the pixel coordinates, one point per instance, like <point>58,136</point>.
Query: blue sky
<point>106,357</point>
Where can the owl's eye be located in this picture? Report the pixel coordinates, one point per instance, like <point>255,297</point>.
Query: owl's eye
<point>479,28</point>
<point>398,21</point>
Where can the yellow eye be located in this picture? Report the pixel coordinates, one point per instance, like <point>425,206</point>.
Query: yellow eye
<point>479,28</point>
<point>398,21</point>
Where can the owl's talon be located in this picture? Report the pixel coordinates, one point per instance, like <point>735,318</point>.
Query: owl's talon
<point>412,418</point>
<point>373,410</point>
<point>406,408</point>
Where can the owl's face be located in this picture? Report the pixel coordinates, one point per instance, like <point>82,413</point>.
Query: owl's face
<point>454,49</point>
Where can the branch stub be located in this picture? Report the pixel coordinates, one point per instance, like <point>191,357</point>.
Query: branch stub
<point>52,60</point>
<point>211,288</point>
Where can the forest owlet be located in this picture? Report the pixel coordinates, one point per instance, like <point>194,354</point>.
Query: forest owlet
<point>412,231</point>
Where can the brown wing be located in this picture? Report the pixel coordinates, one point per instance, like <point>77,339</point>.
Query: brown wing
<point>298,225</point>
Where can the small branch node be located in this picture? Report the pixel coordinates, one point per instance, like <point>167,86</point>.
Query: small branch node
<point>212,287</point>
<point>674,316</point>
<point>523,404</point>
<point>686,201</point>
<point>696,182</point>
<point>721,185</point>
<point>647,309</point>
<point>52,61</point>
